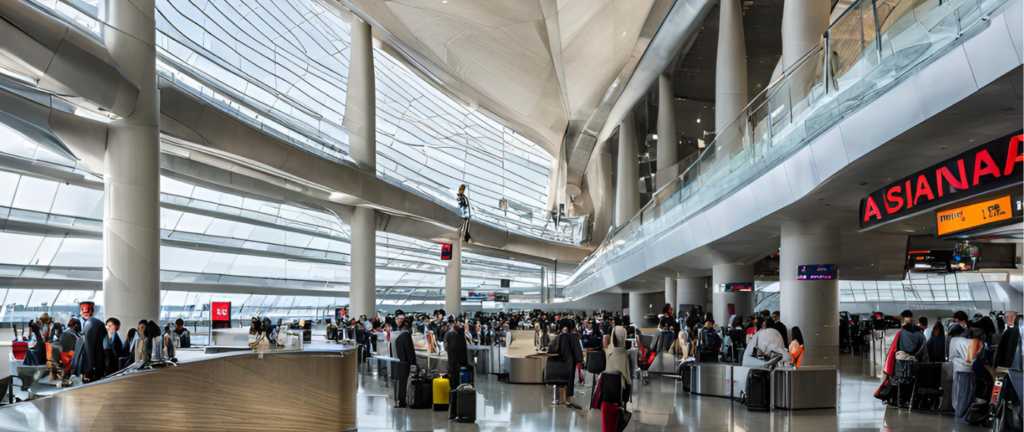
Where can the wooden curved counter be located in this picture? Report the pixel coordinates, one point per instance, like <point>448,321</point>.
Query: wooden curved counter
<point>309,390</point>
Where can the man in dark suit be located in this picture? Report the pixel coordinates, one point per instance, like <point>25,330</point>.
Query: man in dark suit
<point>1009,342</point>
<point>458,353</point>
<point>89,359</point>
<point>406,354</point>
<point>781,328</point>
<point>570,350</point>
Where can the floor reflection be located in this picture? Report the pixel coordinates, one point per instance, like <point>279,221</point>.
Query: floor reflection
<point>658,406</point>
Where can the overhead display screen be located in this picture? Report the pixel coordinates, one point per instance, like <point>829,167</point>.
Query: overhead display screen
<point>990,166</point>
<point>739,287</point>
<point>975,215</point>
<point>817,272</point>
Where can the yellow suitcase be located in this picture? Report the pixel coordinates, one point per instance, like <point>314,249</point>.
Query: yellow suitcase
<point>442,391</point>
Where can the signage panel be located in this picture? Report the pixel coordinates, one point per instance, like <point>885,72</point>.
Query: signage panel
<point>974,215</point>
<point>220,311</point>
<point>739,287</point>
<point>991,166</point>
<point>446,251</point>
<point>817,272</point>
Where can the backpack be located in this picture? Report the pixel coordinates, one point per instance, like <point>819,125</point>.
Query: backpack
<point>710,339</point>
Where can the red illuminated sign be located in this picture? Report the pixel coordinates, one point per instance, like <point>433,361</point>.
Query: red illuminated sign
<point>446,251</point>
<point>220,311</point>
<point>991,166</point>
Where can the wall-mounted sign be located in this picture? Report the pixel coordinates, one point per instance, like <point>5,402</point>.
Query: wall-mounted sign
<point>739,287</point>
<point>975,215</point>
<point>446,251</point>
<point>817,272</point>
<point>991,166</point>
<point>220,311</point>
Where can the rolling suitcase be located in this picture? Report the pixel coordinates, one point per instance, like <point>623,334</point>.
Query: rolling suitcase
<point>465,403</point>
<point>609,417</point>
<point>758,386</point>
<point>420,394</point>
<point>596,362</point>
<point>686,371</point>
<point>441,391</point>
<point>466,376</point>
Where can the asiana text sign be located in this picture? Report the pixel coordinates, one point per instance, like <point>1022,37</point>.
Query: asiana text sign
<point>990,166</point>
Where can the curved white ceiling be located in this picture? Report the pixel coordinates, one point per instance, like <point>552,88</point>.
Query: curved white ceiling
<point>535,64</point>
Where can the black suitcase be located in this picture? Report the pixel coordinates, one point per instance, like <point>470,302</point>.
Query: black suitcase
<point>758,386</point>
<point>465,404</point>
<point>686,371</point>
<point>611,387</point>
<point>596,362</point>
<point>420,393</point>
<point>557,373</point>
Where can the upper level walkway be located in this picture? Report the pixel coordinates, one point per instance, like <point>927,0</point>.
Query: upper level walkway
<point>886,77</point>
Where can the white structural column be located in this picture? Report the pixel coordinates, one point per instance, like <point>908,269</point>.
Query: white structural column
<point>803,23</point>
<point>645,303</point>
<point>812,305</point>
<point>730,66</point>
<point>362,289</point>
<point>453,281</point>
<point>671,294</point>
<point>360,114</point>
<point>599,181</point>
<point>360,98</point>
<point>691,291</point>
<point>131,200</point>
<point>627,174</point>
<point>743,302</point>
<point>668,146</point>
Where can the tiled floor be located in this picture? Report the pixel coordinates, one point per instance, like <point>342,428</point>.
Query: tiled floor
<point>661,406</point>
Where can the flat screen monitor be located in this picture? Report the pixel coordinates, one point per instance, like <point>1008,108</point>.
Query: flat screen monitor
<point>816,272</point>
<point>739,287</point>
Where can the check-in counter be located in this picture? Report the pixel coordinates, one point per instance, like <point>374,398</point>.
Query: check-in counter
<point>800,388</point>
<point>231,391</point>
<point>525,364</point>
<point>712,379</point>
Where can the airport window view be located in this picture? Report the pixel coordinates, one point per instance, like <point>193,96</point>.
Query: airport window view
<point>582,215</point>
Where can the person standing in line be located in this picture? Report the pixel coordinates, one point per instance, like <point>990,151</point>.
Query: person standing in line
<point>464,209</point>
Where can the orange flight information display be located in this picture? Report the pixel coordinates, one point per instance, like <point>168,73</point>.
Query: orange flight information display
<point>974,215</point>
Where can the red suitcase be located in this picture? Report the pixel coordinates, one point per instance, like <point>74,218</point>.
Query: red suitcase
<point>609,417</point>
<point>19,349</point>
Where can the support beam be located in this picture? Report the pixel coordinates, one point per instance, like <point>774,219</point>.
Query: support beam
<point>730,66</point>
<point>363,287</point>
<point>691,291</point>
<point>627,175</point>
<point>453,281</point>
<point>668,143</point>
<point>131,199</point>
<point>742,303</point>
<point>812,305</point>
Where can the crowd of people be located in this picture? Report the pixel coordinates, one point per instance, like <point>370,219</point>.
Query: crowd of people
<point>975,346</point>
<point>92,349</point>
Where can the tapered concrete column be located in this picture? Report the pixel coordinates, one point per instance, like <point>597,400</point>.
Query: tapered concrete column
<point>803,23</point>
<point>360,98</point>
<point>453,281</point>
<point>599,181</point>
<point>363,287</point>
<point>645,303</point>
<point>730,66</point>
<point>668,146</point>
<point>743,302</point>
<point>812,305</point>
<point>360,120</point>
<point>131,199</point>
<point>691,291</point>
<point>627,174</point>
<point>671,293</point>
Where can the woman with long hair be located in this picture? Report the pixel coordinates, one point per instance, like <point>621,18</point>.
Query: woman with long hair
<point>796,347</point>
<point>937,344</point>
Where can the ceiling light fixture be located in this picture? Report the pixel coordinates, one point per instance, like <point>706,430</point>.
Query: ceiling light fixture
<point>698,120</point>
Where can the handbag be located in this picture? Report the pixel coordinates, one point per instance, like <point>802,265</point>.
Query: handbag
<point>624,417</point>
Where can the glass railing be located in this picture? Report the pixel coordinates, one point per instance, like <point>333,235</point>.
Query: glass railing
<point>866,51</point>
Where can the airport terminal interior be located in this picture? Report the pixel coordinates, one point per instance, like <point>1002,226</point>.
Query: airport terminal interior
<point>504,215</point>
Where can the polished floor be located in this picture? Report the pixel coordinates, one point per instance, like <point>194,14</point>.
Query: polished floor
<point>658,406</point>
